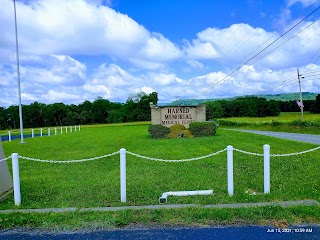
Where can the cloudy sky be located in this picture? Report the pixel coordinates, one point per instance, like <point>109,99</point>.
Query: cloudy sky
<point>77,50</point>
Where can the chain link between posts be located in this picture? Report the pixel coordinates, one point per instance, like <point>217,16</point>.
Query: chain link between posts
<point>294,154</point>
<point>5,159</point>
<point>179,160</point>
<point>249,153</point>
<point>278,155</point>
<point>159,159</point>
<point>69,161</point>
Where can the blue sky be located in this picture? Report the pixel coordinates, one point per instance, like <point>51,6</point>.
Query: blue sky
<point>77,50</point>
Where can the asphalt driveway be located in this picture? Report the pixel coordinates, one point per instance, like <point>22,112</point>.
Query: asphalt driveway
<point>308,138</point>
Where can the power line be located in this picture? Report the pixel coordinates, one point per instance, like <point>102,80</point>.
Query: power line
<point>237,69</point>
<point>291,80</point>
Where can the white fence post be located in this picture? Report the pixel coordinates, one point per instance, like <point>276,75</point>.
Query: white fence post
<point>49,132</point>
<point>16,179</point>
<point>79,128</point>
<point>123,189</point>
<point>75,128</point>
<point>266,161</point>
<point>9,136</point>
<point>61,130</point>
<point>40,132</point>
<point>32,133</point>
<point>55,131</point>
<point>66,129</point>
<point>70,128</point>
<point>230,169</point>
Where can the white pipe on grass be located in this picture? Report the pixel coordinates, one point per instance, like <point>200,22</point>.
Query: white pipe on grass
<point>165,195</point>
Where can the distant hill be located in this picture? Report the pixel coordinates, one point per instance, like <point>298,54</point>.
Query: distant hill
<point>279,97</point>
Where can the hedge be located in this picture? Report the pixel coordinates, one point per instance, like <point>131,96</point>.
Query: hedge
<point>158,131</point>
<point>203,129</point>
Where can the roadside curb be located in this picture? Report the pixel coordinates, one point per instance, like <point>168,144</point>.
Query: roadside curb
<point>170,206</point>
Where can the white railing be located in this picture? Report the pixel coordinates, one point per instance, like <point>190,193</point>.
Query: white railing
<point>42,130</point>
<point>123,155</point>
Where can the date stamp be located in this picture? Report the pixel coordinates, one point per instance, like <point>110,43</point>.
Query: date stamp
<point>290,230</point>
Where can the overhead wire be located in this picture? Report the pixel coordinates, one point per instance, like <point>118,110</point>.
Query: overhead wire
<point>293,79</point>
<point>270,44</point>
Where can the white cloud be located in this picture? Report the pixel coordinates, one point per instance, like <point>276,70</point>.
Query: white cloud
<point>55,70</point>
<point>164,79</point>
<point>68,27</point>
<point>200,50</point>
<point>56,35</point>
<point>54,96</point>
<point>305,3</point>
<point>98,90</point>
<point>160,48</point>
<point>112,75</point>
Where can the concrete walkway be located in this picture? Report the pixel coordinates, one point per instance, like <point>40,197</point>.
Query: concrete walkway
<point>308,138</point>
<point>167,206</point>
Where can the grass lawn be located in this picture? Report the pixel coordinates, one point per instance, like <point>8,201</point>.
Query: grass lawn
<point>283,117</point>
<point>285,122</point>
<point>96,183</point>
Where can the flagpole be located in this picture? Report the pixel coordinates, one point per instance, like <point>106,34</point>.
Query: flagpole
<point>18,73</point>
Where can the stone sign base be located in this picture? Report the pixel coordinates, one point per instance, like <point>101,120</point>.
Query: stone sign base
<point>171,115</point>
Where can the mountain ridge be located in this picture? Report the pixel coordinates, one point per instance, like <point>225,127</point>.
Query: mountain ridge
<point>278,97</point>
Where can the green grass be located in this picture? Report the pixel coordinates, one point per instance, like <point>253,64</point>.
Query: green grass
<point>96,183</point>
<point>286,122</point>
<point>283,117</point>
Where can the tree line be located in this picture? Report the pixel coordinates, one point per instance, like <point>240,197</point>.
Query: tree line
<point>137,108</point>
<point>256,107</point>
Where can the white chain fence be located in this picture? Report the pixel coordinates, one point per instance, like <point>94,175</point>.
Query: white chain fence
<point>69,161</point>
<point>160,159</point>
<point>5,159</point>
<point>249,153</point>
<point>278,155</point>
<point>177,160</point>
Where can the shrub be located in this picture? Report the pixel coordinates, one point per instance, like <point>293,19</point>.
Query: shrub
<point>275,123</point>
<point>203,129</point>
<point>177,127</point>
<point>158,131</point>
<point>175,134</point>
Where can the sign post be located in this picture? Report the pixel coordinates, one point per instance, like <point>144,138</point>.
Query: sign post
<point>5,178</point>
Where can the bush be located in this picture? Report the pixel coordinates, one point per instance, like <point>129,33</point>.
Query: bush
<point>203,129</point>
<point>275,123</point>
<point>177,127</point>
<point>179,130</point>
<point>158,131</point>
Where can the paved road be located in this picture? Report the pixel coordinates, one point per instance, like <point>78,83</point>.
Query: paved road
<point>221,233</point>
<point>308,138</point>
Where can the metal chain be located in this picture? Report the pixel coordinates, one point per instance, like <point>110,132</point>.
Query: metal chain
<point>294,154</point>
<point>5,159</point>
<point>68,161</point>
<point>180,160</point>
<point>278,155</point>
<point>249,153</point>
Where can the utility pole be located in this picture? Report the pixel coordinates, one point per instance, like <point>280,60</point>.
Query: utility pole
<point>301,107</point>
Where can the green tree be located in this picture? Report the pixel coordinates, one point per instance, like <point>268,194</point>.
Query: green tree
<point>56,114</point>
<point>3,122</point>
<point>315,107</point>
<point>12,113</point>
<point>34,115</point>
<point>100,109</point>
<point>214,110</point>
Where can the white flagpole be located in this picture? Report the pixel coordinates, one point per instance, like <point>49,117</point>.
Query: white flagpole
<point>18,72</point>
